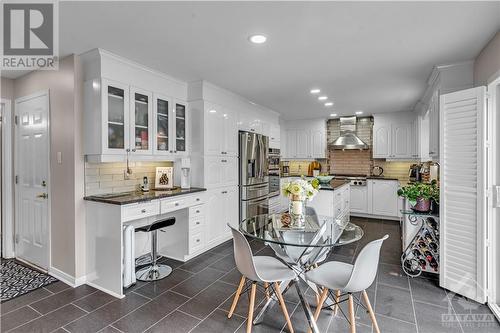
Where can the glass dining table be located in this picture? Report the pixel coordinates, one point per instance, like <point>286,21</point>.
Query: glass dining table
<point>300,248</point>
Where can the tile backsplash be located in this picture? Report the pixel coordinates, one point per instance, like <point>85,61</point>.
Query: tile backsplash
<point>103,178</point>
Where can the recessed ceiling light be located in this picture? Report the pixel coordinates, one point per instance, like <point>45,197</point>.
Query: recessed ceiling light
<point>315,91</point>
<point>323,98</point>
<point>329,104</point>
<point>333,115</point>
<point>359,112</point>
<point>213,111</point>
<point>257,39</point>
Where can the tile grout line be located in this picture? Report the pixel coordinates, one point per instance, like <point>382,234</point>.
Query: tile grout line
<point>44,315</point>
<point>86,312</point>
<point>413,305</point>
<point>29,306</point>
<point>96,309</point>
<point>38,300</point>
<point>170,289</point>
<point>454,311</point>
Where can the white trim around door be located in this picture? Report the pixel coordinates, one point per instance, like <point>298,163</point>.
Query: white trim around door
<point>7,181</point>
<point>32,174</point>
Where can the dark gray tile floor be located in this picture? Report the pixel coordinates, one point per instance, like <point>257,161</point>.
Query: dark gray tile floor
<point>198,294</point>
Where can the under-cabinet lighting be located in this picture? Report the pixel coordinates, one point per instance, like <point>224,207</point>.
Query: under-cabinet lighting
<point>329,104</point>
<point>359,112</point>
<point>322,98</point>
<point>315,91</point>
<point>213,111</point>
<point>333,115</point>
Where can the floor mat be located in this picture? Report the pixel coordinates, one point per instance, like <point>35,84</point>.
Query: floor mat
<point>17,279</point>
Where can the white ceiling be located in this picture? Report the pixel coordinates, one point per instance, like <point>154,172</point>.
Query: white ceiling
<point>370,56</point>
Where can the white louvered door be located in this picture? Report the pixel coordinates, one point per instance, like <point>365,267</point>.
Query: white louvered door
<point>463,193</point>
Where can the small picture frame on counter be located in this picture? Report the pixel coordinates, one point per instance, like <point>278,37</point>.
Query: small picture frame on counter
<point>164,178</point>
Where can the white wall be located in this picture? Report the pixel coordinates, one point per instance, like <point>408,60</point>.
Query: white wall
<point>487,63</point>
<point>67,181</point>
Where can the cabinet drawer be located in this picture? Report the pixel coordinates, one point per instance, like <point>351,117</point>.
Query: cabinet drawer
<point>196,241</point>
<point>171,205</point>
<point>140,210</point>
<point>195,223</point>
<point>196,211</point>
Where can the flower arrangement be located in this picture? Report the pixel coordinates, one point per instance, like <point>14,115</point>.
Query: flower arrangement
<point>302,188</point>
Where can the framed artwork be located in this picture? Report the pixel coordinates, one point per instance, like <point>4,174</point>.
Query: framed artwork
<point>164,178</point>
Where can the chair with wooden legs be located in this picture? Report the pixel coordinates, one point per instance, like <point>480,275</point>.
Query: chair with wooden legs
<point>259,269</point>
<point>346,279</point>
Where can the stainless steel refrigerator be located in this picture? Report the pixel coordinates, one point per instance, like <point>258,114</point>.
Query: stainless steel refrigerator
<point>254,177</point>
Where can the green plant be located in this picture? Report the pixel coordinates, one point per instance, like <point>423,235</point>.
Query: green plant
<point>415,191</point>
<point>435,191</point>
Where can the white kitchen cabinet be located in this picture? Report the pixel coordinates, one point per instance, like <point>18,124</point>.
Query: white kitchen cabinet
<point>383,198</point>
<point>434,126</point>
<point>305,143</point>
<point>381,140</point>
<point>274,136</point>
<point>318,144</point>
<point>121,119</point>
<point>291,144</point>
<point>359,199</point>
<point>393,136</point>
<point>222,208</point>
<point>401,140</point>
<point>221,134</point>
<point>220,171</point>
<point>323,202</point>
<point>141,121</point>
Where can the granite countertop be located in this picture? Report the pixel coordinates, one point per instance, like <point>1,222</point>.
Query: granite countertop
<point>333,185</point>
<point>134,197</point>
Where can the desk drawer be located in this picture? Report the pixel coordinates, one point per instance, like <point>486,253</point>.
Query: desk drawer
<point>196,222</point>
<point>196,211</point>
<point>140,210</point>
<point>196,241</point>
<point>171,205</point>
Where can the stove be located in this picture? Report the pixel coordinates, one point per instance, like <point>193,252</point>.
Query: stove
<point>354,179</point>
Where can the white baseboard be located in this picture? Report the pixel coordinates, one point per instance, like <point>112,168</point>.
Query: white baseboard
<point>66,278</point>
<point>105,290</point>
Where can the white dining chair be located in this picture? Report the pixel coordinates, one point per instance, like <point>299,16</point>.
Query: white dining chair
<point>347,279</point>
<point>258,269</point>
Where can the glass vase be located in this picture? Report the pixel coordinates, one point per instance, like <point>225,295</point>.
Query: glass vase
<point>297,210</point>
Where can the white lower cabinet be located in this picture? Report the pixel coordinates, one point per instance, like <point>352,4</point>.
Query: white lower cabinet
<point>379,198</point>
<point>332,203</point>
<point>359,199</point>
<point>222,208</point>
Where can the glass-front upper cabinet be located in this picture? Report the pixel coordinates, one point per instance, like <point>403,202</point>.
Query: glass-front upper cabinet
<point>180,128</point>
<point>141,121</point>
<point>162,144</point>
<point>115,103</point>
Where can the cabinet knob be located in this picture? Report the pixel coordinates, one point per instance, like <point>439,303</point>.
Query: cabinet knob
<point>175,151</point>
<point>223,161</point>
<point>197,199</point>
<point>198,240</point>
<point>134,150</point>
<point>198,223</point>
<point>176,204</point>
<point>143,211</point>
<point>197,211</point>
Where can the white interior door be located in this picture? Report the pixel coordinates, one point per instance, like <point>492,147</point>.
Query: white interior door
<point>463,193</point>
<point>32,171</point>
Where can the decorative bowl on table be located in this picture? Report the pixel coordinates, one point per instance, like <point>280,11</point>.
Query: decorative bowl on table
<point>324,179</point>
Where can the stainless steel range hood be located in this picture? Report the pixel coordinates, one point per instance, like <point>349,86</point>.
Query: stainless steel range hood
<point>348,138</point>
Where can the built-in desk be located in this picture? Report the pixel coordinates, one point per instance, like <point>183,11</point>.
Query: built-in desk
<point>107,215</point>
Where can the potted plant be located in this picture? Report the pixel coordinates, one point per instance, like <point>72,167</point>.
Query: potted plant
<point>299,191</point>
<point>419,195</point>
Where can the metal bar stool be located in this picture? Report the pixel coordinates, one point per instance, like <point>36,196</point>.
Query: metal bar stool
<point>155,271</point>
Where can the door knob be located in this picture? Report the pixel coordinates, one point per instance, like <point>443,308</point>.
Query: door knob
<point>43,195</point>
